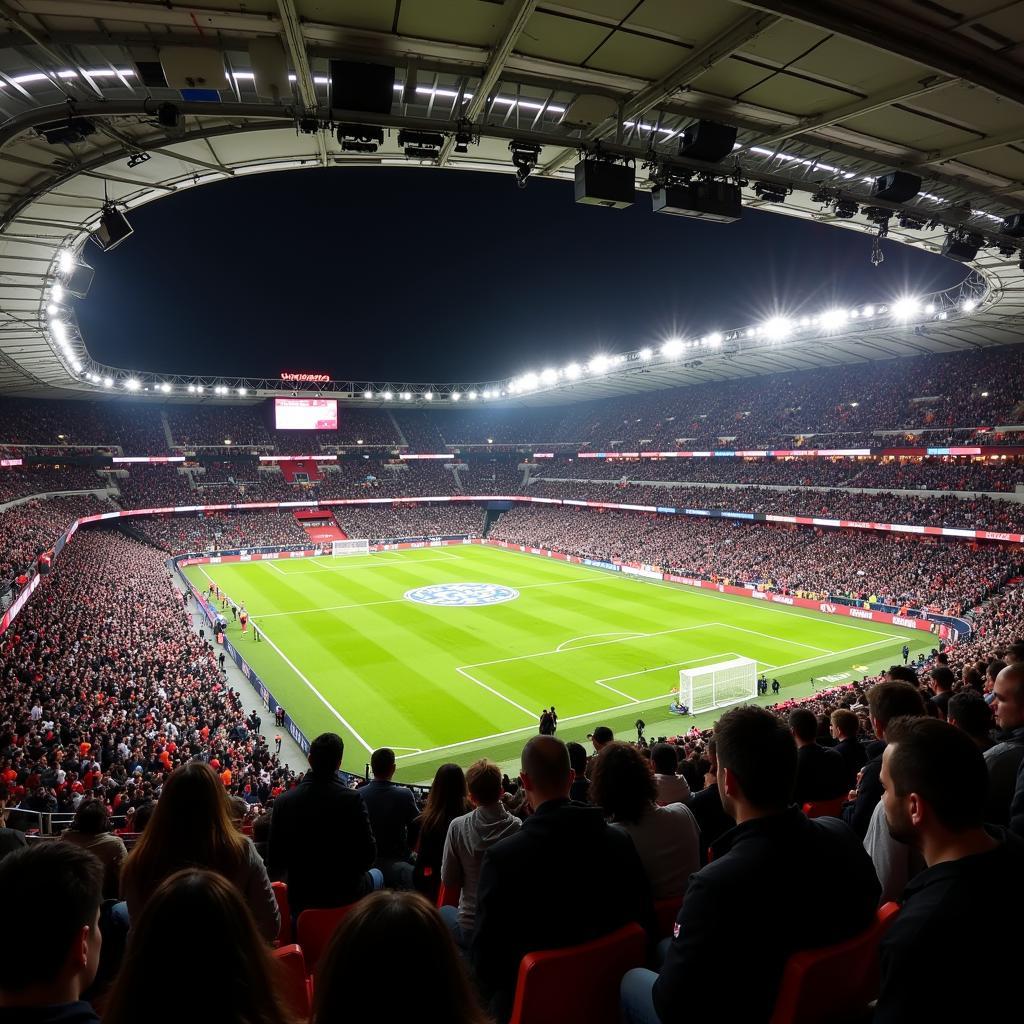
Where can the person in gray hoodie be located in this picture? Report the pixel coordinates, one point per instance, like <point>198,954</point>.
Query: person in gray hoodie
<point>469,838</point>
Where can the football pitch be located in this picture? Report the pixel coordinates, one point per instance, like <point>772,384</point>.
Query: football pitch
<point>449,653</point>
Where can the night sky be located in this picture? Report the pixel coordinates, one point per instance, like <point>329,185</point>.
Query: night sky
<point>423,275</point>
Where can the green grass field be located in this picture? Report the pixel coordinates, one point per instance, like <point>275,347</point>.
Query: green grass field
<point>346,651</point>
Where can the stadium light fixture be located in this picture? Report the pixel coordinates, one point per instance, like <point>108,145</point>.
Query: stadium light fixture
<point>930,308</point>
<point>243,391</point>
<point>455,396</point>
<point>672,348</point>
<point>549,376</point>
<point>714,339</point>
<point>428,396</point>
<point>572,371</point>
<point>472,396</point>
<point>599,364</point>
<point>191,389</point>
<point>367,394</point>
<point>359,440</point>
<point>57,292</point>
<point>76,365</point>
<point>132,384</point>
<point>53,309</point>
<point>869,310</point>
<point>968,305</point>
<point>984,394</point>
<point>165,387</point>
<point>387,396</point>
<point>645,353</point>
<point>406,396</point>
<point>833,319</point>
<point>65,261</point>
<point>905,308</point>
<point>776,329</point>
<point>108,382</point>
<point>528,382</point>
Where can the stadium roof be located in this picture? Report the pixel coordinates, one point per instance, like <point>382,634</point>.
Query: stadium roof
<point>826,95</point>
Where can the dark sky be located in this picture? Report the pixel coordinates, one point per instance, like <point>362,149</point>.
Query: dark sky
<point>419,275</point>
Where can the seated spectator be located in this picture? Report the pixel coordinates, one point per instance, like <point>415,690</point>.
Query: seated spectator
<point>1006,756</point>
<point>90,830</point>
<point>942,680</point>
<point>392,809</point>
<point>600,738</point>
<point>968,711</point>
<point>820,772</point>
<point>53,891</point>
<point>845,728</point>
<point>706,805</point>
<point>321,842</point>
<point>666,837</point>
<point>672,787</point>
<point>564,878</point>
<point>191,827</point>
<point>935,793</point>
<point>385,933</point>
<point>448,799</point>
<point>737,922</point>
<point>469,838</point>
<point>886,701</point>
<point>10,838</point>
<point>222,971</point>
<point>580,789</point>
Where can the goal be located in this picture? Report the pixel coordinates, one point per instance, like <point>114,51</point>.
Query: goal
<point>717,686</point>
<point>342,548</point>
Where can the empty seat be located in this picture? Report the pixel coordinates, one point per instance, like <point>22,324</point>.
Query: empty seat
<point>291,980</point>
<point>284,935</point>
<point>315,928</point>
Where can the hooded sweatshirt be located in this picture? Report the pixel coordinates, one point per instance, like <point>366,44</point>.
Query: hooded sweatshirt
<point>469,838</point>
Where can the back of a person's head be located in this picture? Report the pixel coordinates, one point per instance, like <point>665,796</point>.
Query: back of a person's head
<point>903,673</point>
<point>385,932</point>
<point>446,799</point>
<point>325,754</point>
<point>222,970</point>
<point>846,722</point>
<point>894,699</point>
<point>943,766</point>
<point>968,711</point>
<point>803,724</point>
<point>483,778</point>
<point>664,759</point>
<point>943,677</point>
<point>238,809</point>
<point>1015,652</point>
<point>91,817</point>
<point>143,814</point>
<point>51,891</point>
<point>994,667</point>
<point>545,763</point>
<point>758,750</point>
<point>382,762</point>
<point>577,758</point>
<point>622,783</point>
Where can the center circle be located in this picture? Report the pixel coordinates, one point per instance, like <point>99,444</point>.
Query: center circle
<point>461,595</point>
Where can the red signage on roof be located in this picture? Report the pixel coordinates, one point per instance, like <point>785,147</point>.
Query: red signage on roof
<point>305,378</point>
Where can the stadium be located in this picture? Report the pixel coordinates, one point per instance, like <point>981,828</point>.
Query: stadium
<point>592,614</point>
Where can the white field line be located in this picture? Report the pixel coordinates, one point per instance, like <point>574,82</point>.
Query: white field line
<point>657,668</point>
<point>588,636</point>
<point>276,568</point>
<point>323,700</point>
<point>353,568</point>
<point>780,639</point>
<point>490,689</point>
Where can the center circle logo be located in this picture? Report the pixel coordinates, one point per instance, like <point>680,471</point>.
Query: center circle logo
<point>461,595</point>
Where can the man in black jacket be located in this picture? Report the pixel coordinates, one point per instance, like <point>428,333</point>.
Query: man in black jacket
<point>886,701</point>
<point>846,731</point>
<point>321,843</point>
<point>706,806</point>
<point>738,923</point>
<point>392,810</point>
<point>935,791</point>
<point>820,772</point>
<point>565,878</point>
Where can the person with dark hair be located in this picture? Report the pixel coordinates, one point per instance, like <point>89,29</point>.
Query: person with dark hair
<point>845,728</point>
<point>820,772</point>
<point>469,838</point>
<point>448,799</point>
<point>545,724</point>
<point>942,681</point>
<point>191,827</point>
<point>10,838</point>
<point>222,971</point>
<point>580,789</point>
<point>968,711</point>
<point>936,786</point>
<point>143,814</point>
<point>666,837</point>
<point>90,831</point>
<point>564,878</point>
<point>1003,759</point>
<point>737,926</point>
<point>672,787</point>
<point>886,701</point>
<point>706,805</point>
<point>320,841</point>
<point>52,894</point>
<point>902,673</point>
<point>357,979</point>
<point>600,737</point>
<point>392,810</point>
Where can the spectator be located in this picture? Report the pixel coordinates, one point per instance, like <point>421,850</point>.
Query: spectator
<point>191,827</point>
<point>564,878</point>
<point>469,838</point>
<point>935,792</point>
<point>741,903</point>
<point>968,711</point>
<point>886,701</point>
<point>1006,756</point>
<point>448,799</point>
<point>392,810</point>
<point>91,831</point>
<point>321,842</point>
<point>845,728</point>
<point>672,787</point>
<point>357,977</point>
<point>820,772</point>
<point>52,895</point>
<point>580,789</point>
<point>666,837</point>
<point>712,818</point>
<point>10,838</point>
<point>942,680</point>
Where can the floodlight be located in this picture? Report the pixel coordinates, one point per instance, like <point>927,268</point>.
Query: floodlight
<point>191,389</point>
<point>243,391</point>
<point>769,192</point>
<point>472,396</point>
<point>528,381</point>
<point>406,396</point>
<point>367,394</point>
<point>869,310</point>
<point>930,308</point>
<point>113,228</point>
<point>672,348</point>
<point>645,354</point>
<point>844,209</point>
<point>572,371</point>
<point>428,396</point>
<point>76,365</point>
<point>108,382</point>
<point>387,396</point>
<point>549,376</point>
<point>714,339</point>
<point>967,305</point>
<point>598,364</point>
<point>905,308</point>
<point>132,384</point>
<point>833,319</point>
<point>66,261</point>
<point>455,396</point>
<point>53,309</point>
<point>165,387</point>
<point>57,292</point>
<point>776,329</point>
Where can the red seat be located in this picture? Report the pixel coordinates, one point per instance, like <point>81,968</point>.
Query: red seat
<point>666,911</point>
<point>825,808</point>
<point>284,934</point>
<point>835,982</point>
<point>579,982</point>
<point>315,929</point>
<point>448,897</point>
<point>291,980</point>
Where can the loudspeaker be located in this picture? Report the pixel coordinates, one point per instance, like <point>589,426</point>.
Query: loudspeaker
<point>187,67</point>
<point>962,249</point>
<point>369,88</point>
<point>270,68</point>
<point>896,187</point>
<point>716,201</point>
<point>601,183</point>
<point>708,141</point>
<point>113,230</point>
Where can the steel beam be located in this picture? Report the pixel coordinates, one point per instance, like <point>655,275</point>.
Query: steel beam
<point>300,61</point>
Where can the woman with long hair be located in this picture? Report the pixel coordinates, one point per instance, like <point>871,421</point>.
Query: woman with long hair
<point>91,831</point>
<point>448,799</point>
<point>356,980</point>
<point>194,952</point>
<point>192,828</point>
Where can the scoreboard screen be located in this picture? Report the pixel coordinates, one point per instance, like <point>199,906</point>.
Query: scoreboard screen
<point>306,413</point>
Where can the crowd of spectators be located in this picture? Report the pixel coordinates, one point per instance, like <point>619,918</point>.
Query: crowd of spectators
<point>135,426</point>
<point>394,521</point>
<point>43,479</point>
<point>156,486</point>
<point>220,532</point>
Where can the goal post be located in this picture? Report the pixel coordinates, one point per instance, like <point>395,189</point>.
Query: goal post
<point>344,548</point>
<point>717,686</point>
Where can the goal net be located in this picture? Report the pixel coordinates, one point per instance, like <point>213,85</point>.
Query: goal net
<point>717,686</point>
<point>342,548</point>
